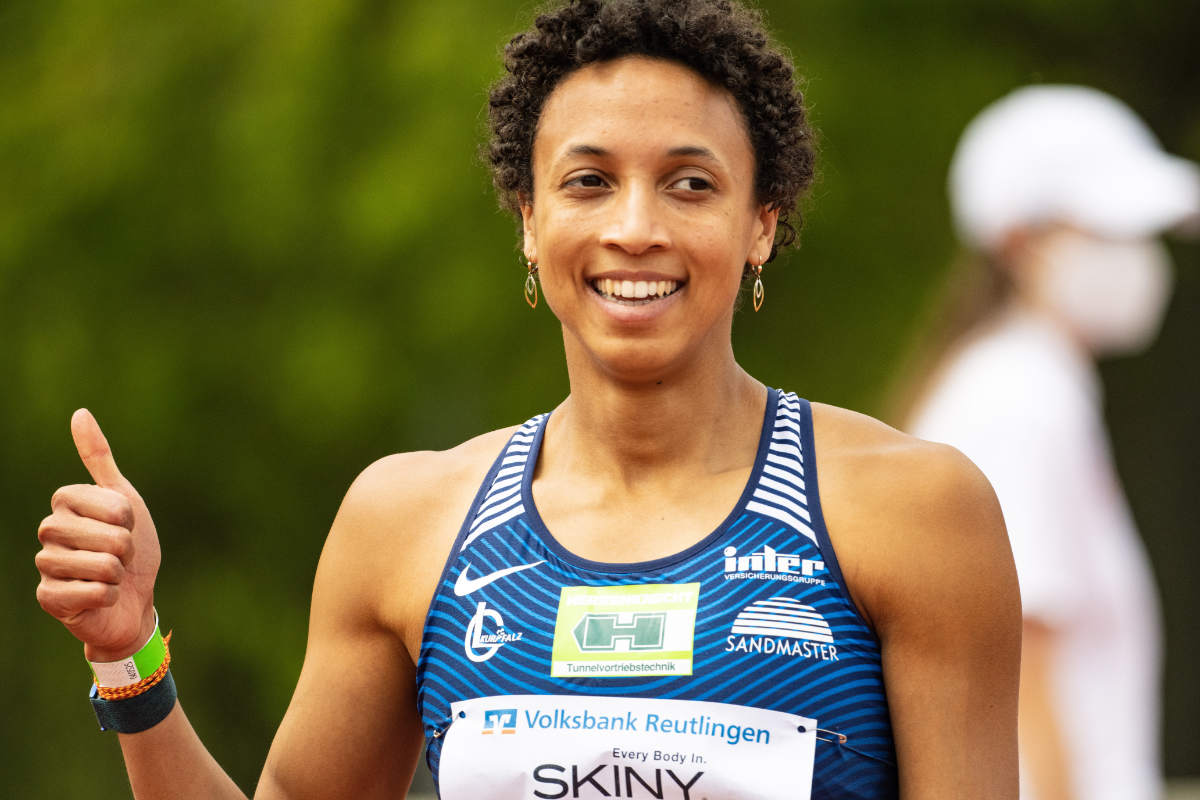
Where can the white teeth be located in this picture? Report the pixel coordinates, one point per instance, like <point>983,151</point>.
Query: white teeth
<point>634,290</point>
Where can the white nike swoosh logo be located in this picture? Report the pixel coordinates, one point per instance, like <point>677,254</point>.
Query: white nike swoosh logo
<point>464,585</point>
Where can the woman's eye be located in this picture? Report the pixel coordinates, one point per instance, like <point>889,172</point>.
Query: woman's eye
<point>589,181</point>
<point>692,183</point>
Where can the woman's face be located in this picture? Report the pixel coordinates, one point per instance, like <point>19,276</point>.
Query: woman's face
<point>643,215</point>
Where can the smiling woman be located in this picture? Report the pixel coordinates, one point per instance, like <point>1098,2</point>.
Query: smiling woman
<point>643,175</point>
<point>651,594</point>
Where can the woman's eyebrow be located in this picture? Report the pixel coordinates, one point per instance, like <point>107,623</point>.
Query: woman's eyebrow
<point>681,151</point>
<point>692,150</point>
<point>585,150</point>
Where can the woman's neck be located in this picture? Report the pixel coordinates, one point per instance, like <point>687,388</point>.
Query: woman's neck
<point>706,421</point>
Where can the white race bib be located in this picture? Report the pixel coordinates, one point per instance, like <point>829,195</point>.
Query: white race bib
<point>566,746</point>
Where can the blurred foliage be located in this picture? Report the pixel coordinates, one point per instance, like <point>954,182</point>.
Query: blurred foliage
<point>256,239</point>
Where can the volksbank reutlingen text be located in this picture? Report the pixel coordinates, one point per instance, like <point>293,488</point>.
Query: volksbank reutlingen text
<point>699,725</point>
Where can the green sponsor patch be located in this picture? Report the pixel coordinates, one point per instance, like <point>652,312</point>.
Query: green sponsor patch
<point>624,631</point>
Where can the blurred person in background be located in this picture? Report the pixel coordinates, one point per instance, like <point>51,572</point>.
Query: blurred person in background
<point>1063,192</point>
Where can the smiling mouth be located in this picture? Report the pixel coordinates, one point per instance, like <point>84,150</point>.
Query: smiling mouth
<point>634,293</point>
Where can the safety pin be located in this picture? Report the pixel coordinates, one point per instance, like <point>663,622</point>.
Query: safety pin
<point>841,737</point>
<point>440,732</point>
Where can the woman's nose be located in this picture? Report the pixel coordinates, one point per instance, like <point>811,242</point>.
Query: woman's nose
<point>635,222</point>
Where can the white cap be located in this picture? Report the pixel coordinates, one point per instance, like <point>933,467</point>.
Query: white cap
<point>1066,154</point>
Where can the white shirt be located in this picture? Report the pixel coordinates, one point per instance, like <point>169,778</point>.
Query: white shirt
<point>1024,404</point>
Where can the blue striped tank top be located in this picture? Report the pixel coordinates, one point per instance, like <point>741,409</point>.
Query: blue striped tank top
<point>737,668</point>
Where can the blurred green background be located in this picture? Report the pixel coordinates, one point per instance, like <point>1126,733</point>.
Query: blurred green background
<point>256,239</point>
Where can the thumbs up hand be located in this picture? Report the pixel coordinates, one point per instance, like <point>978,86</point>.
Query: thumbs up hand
<point>100,554</point>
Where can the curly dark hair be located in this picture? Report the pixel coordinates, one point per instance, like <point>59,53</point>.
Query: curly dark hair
<point>721,40</point>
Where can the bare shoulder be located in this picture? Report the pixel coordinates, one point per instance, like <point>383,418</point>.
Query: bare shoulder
<point>903,512</point>
<point>396,524</point>
<point>890,471</point>
<point>921,542</point>
<point>901,468</point>
<point>413,485</point>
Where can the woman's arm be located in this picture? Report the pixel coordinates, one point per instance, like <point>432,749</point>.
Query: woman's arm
<point>351,729</point>
<point>950,623</point>
<point>98,563</point>
<point>921,541</point>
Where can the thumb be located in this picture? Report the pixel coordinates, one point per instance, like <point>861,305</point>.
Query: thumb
<point>94,451</point>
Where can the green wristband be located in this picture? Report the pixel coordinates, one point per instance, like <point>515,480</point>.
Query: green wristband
<point>140,665</point>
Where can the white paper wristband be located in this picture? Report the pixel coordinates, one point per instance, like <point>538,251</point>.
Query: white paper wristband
<point>131,670</point>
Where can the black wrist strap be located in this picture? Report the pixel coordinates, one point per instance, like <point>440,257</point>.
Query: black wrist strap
<point>139,713</point>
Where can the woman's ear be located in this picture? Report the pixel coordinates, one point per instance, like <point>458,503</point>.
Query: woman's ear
<point>529,246</point>
<point>764,235</point>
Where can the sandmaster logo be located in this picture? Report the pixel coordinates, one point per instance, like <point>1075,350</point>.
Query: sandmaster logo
<point>782,626</point>
<point>769,565</point>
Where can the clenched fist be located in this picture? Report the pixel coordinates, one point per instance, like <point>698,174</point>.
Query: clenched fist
<point>99,554</point>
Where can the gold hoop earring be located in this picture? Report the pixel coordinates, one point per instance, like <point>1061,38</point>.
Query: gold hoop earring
<point>531,292</point>
<point>758,293</point>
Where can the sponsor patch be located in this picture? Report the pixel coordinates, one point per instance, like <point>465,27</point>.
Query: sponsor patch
<point>624,631</point>
<point>464,584</point>
<point>769,565</point>
<point>486,634</point>
<point>783,626</point>
<point>597,747</point>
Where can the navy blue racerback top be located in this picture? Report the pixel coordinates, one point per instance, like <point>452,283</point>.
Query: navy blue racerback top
<point>737,668</point>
